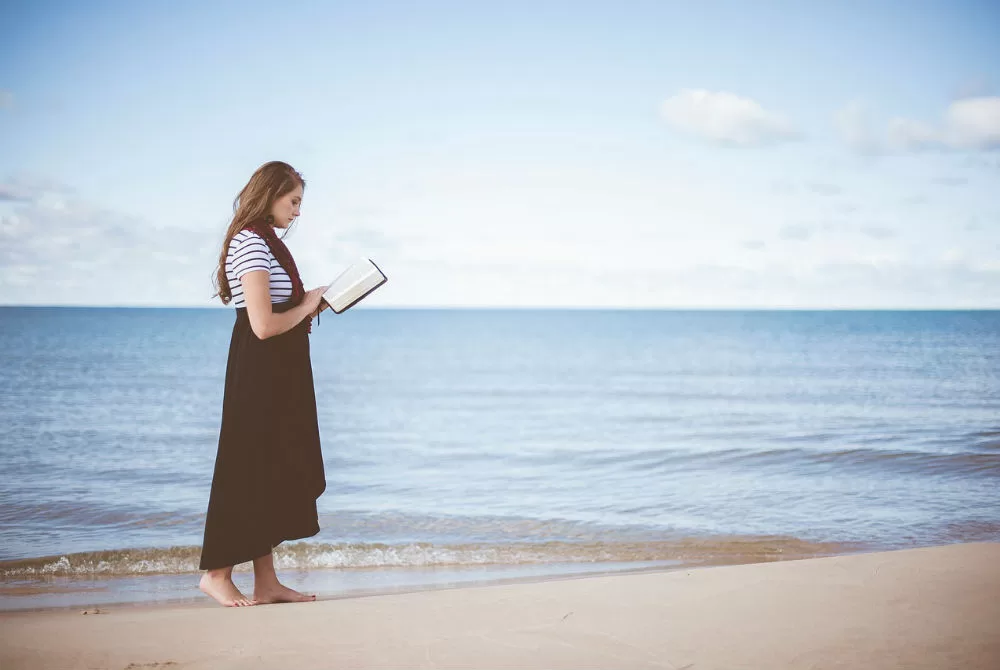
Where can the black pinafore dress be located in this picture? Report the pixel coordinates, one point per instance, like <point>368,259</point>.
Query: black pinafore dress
<point>269,466</point>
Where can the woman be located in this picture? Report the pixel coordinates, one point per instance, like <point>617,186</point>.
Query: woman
<point>269,466</point>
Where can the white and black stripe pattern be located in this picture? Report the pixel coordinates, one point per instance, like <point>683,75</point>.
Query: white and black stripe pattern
<point>248,251</point>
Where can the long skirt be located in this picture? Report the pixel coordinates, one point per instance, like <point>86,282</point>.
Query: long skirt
<point>269,466</point>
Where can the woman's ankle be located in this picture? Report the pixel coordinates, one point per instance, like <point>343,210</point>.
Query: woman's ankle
<point>265,581</point>
<point>219,574</point>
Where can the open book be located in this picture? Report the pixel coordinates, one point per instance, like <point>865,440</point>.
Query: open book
<point>353,284</point>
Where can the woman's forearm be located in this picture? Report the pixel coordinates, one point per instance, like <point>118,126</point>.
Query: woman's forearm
<point>281,322</point>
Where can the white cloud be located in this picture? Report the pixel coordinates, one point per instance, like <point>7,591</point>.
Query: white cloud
<point>520,235</point>
<point>726,118</point>
<point>855,126</point>
<point>970,123</point>
<point>822,188</point>
<point>950,181</point>
<point>973,123</point>
<point>91,255</point>
<point>796,232</point>
<point>878,232</point>
<point>910,135</point>
<point>868,281</point>
<point>953,257</point>
<point>28,188</point>
<point>15,193</point>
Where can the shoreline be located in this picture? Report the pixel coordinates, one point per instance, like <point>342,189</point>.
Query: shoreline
<point>57,592</point>
<point>926,607</point>
<point>453,579</point>
<point>166,576</point>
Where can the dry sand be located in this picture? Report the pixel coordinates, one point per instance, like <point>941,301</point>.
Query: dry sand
<point>931,607</point>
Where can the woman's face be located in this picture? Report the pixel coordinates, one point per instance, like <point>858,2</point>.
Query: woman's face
<point>286,208</point>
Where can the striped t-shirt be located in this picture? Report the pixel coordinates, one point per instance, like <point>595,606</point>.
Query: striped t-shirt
<point>248,251</point>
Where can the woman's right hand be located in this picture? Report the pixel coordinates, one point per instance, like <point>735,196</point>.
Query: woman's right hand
<point>312,298</point>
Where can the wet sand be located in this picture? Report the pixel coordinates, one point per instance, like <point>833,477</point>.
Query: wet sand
<point>930,607</point>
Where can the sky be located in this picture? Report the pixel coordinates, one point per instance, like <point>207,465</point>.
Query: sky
<point>785,155</point>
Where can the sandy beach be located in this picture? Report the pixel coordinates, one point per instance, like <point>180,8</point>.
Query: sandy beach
<point>929,607</point>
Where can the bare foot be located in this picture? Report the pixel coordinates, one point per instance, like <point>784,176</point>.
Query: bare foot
<point>224,591</point>
<point>279,593</point>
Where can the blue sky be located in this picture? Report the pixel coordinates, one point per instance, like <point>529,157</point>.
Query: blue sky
<point>623,154</point>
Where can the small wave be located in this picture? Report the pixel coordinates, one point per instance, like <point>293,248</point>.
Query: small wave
<point>965,463</point>
<point>990,445</point>
<point>971,530</point>
<point>76,514</point>
<point>987,440</point>
<point>310,555</point>
<point>925,462</point>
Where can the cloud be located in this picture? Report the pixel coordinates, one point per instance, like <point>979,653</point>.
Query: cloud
<point>15,193</point>
<point>950,282</point>
<point>31,188</point>
<point>973,123</point>
<point>783,186</point>
<point>910,135</point>
<point>855,126</point>
<point>824,189</point>
<point>726,118</point>
<point>855,283</point>
<point>950,181</point>
<point>981,162</point>
<point>796,232</point>
<point>878,232</point>
<point>968,124</point>
<point>88,254</point>
<point>753,244</point>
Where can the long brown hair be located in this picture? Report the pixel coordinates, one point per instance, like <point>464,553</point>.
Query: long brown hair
<point>269,182</point>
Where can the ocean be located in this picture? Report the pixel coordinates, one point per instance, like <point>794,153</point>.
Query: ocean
<point>483,445</point>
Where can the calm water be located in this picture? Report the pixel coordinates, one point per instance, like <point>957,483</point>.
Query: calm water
<point>511,437</point>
